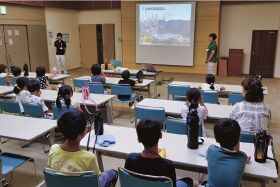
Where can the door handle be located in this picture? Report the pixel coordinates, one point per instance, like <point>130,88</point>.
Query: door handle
<point>253,53</point>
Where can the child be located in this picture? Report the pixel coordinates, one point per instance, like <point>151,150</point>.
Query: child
<point>149,162</point>
<point>97,75</point>
<point>41,76</point>
<point>194,97</point>
<point>69,157</point>
<point>20,89</point>
<point>210,84</point>
<point>3,70</point>
<point>16,72</point>
<point>35,92</point>
<point>64,95</point>
<point>226,163</point>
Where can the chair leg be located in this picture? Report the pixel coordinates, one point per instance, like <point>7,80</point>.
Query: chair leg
<point>35,172</point>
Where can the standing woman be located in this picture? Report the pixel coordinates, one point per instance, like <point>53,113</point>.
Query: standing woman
<point>212,51</point>
<point>60,46</point>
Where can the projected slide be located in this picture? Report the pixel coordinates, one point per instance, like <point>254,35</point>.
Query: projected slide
<point>165,24</point>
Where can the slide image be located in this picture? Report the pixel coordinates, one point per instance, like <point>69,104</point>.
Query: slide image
<point>165,24</point>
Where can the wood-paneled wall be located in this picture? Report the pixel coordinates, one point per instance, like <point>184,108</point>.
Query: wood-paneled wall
<point>207,21</point>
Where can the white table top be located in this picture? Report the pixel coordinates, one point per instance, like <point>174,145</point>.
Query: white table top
<point>24,128</point>
<point>51,95</point>
<point>132,72</point>
<point>6,89</point>
<point>115,80</point>
<point>171,107</point>
<point>126,142</point>
<point>228,87</point>
<point>56,78</point>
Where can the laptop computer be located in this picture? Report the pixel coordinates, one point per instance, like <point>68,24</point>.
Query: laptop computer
<point>149,67</point>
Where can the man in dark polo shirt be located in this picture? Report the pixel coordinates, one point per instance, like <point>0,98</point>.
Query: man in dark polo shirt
<point>60,46</point>
<point>212,49</point>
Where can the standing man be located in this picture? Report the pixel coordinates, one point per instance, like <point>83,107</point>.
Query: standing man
<point>212,49</point>
<point>60,46</point>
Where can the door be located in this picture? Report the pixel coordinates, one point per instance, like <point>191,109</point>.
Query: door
<point>88,45</point>
<point>38,48</point>
<point>16,45</point>
<point>108,36</point>
<point>3,59</point>
<point>263,52</point>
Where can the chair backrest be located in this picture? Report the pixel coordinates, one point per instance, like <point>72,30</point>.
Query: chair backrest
<point>235,98</point>
<point>210,97</point>
<point>34,110</point>
<point>2,81</point>
<point>116,63</point>
<point>95,88</point>
<point>154,113</point>
<point>121,89</point>
<point>177,90</point>
<point>58,111</point>
<point>10,107</point>
<point>179,126</point>
<point>247,138</point>
<point>129,179</point>
<point>70,179</point>
<point>79,83</point>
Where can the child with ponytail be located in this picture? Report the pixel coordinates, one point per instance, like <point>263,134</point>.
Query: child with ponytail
<point>64,95</point>
<point>22,94</point>
<point>210,84</point>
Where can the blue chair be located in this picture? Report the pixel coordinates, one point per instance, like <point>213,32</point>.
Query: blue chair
<point>129,179</point>
<point>79,83</point>
<point>247,138</point>
<point>179,126</point>
<point>10,107</point>
<point>96,88</point>
<point>2,81</point>
<point>116,63</point>
<point>235,98</point>
<point>155,113</point>
<point>210,97</point>
<point>123,89</point>
<point>58,111</point>
<point>55,178</point>
<point>33,110</point>
<point>9,162</point>
<point>178,92</point>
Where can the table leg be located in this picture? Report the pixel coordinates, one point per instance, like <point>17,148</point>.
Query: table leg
<point>99,160</point>
<point>109,114</point>
<point>263,183</point>
<point>51,137</point>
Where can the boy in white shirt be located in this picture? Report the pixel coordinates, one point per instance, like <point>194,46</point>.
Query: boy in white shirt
<point>35,92</point>
<point>210,84</point>
<point>194,96</point>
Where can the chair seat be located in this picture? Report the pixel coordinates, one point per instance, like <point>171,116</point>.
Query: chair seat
<point>179,98</point>
<point>133,97</point>
<point>12,161</point>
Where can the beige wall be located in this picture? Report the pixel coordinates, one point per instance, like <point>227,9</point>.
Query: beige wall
<point>23,15</point>
<point>238,22</point>
<point>105,17</point>
<point>64,21</point>
<point>207,21</point>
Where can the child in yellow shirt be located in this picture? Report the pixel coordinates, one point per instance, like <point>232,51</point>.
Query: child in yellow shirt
<point>69,156</point>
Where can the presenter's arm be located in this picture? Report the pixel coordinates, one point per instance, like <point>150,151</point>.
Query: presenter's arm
<point>210,56</point>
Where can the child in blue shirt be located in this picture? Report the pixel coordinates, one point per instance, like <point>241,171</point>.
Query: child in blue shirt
<point>97,75</point>
<point>226,163</point>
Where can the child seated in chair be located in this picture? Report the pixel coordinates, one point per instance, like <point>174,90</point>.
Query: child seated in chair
<point>41,76</point>
<point>97,75</point>
<point>64,95</point>
<point>22,94</point>
<point>3,70</point>
<point>226,163</point>
<point>210,84</point>
<point>69,156</point>
<point>16,71</point>
<point>149,161</point>
<point>194,97</point>
<point>33,87</point>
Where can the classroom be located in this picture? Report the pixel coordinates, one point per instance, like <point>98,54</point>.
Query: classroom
<point>174,93</point>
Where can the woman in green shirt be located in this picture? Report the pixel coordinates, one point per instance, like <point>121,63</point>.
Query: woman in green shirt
<point>212,49</point>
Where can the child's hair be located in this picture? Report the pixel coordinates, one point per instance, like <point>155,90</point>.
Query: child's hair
<point>58,34</point>
<point>148,132</point>
<point>21,82</point>
<point>193,96</point>
<point>227,133</point>
<point>72,123</point>
<point>40,71</point>
<point>213,35</point>
<point>63,91</point>
<point>2,68</point>
<point>125,75</point>
<point>33,85</point>
<point>254,89</point>
<point>16,71</point>
<point>210,79</point>
<point>96,69</point>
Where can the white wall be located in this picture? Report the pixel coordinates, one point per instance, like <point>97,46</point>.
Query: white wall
<point>104,17</point>
<point>237,23</point>
<point>64,21</point>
